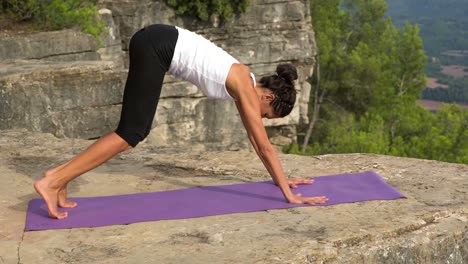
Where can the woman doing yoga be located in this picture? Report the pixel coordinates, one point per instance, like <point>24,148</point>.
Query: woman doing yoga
<point>155,50</point>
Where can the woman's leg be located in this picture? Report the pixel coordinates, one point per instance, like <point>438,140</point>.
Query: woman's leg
<point>141,95</point>
<point>62,195</point>
<point>101,151</point>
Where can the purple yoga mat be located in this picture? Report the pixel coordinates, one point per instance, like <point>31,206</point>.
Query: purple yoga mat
<point>206,201</point>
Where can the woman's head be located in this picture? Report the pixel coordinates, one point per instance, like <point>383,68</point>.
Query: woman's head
<point>281,86</point>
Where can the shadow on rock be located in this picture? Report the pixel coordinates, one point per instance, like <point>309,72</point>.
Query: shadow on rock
<point>180,176</point>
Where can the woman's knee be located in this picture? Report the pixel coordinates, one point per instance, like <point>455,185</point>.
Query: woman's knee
<point>131,138</point>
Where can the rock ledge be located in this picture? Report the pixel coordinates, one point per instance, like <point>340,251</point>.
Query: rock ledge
<point>430,226</point>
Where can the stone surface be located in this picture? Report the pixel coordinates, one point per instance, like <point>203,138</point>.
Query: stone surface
<point>198,121</point>
<point>42,45</point>
<point>64,98</point>
<point>430,226</point>
<point>110,48</point>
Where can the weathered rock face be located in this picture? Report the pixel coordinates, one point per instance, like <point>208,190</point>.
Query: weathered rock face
<point>269,33</point>
<point>57,101</point>
<point>78,94</point>
<point>61,44</point>
<point>429,226</point>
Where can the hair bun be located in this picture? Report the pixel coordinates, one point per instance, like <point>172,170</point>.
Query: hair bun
<point>287,71</point>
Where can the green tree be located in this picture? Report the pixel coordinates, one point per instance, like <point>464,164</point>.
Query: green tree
<point>403,84</point>
<point>329,22</point>
<point>450,142</point>
<point>366,136</point>
<point>369,77</point>
<point>55,14</point>
<point>356,44</point>
<point>203,9</point>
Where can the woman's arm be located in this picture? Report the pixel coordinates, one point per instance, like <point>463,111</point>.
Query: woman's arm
<point>241,87</point>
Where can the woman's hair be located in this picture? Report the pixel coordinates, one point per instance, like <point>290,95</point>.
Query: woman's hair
<point>281,85</point>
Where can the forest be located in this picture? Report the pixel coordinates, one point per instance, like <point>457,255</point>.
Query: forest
<point>444,29</point>
<point>369,75</point>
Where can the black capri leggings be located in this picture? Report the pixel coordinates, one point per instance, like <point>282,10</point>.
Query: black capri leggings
<point>151,50</point>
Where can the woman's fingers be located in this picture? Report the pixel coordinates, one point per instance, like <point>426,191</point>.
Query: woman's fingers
<point>316,200</point>
<point>298,199</point>
<point>293,182</point>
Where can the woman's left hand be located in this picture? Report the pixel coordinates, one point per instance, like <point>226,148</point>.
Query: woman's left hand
<point>293,182</point>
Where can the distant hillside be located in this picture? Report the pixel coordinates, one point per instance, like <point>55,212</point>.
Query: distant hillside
<point>427,8</point>
<point>444,29</point>
<point>443,23</point>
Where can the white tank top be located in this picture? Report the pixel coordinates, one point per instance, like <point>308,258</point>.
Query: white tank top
<point>202,63</point>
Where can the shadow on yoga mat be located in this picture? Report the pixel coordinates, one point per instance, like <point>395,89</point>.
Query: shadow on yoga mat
<point>206,201</point>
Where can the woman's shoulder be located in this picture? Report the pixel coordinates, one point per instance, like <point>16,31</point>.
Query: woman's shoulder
<point>239,78</point>
<point>240,70</point>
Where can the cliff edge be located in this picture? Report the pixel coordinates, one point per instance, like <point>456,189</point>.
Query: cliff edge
<point>430,226</point>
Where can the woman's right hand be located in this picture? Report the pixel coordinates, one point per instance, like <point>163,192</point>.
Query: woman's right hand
<point>298,199</point>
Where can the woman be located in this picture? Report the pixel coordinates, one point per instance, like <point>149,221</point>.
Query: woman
<point>155,50</point>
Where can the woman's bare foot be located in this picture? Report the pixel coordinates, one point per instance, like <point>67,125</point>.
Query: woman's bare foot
<point>62,199</point>
<point>62,194</point>
<point>50,196</point>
